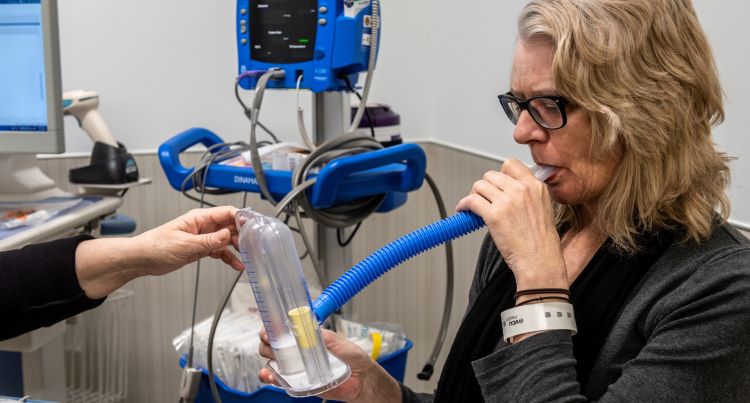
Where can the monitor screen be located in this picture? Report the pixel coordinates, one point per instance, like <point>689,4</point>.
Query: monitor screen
<point>30,105</point>
<point>283,31</point>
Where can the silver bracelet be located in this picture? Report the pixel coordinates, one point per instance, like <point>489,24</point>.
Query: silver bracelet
<point>538,317</point>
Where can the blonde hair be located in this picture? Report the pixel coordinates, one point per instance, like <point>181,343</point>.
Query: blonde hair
<point>644,71</point>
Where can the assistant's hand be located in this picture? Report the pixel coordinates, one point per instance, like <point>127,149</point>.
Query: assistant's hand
<point>518,212</point>
<point>369,381</point>
<point>194,235</point>
<point>104,265</point>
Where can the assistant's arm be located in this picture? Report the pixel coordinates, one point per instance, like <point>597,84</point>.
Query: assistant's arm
<point>104,265</point>
<point>44,283</point>
<point>38,286</point>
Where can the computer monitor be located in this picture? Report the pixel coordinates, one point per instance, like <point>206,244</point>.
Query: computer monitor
<point>31,117</point>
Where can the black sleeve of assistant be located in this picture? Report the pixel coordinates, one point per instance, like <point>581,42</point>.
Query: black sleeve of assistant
<point>39,286</point>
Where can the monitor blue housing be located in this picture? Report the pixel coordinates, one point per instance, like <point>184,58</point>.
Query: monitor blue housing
<point>328,39</point>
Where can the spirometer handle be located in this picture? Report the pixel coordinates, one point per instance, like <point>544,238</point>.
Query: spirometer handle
<point>332,176</point>
<point>169,153</point>
<point>390,256</point>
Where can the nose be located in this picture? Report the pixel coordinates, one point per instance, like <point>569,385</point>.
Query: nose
<point>527,130</point>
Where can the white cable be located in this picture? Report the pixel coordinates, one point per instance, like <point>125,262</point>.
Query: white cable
<point>299,83</point>
<point>301,120</point>
<point>374,43</point>
<point>254,155</point>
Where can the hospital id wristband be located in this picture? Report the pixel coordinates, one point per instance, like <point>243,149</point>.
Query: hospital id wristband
<point>536,318</point>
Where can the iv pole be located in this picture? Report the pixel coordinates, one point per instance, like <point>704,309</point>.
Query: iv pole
<point>331,117</point>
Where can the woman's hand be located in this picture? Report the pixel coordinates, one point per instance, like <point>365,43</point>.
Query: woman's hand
<point>106,264</point>
<point>518,212</point>
<point>369,381</point>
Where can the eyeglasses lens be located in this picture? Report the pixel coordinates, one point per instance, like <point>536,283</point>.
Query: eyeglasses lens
<point>546,112</point>
<point>511,108</point>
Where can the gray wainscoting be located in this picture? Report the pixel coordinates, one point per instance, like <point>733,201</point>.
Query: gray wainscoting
<point>411,295</point>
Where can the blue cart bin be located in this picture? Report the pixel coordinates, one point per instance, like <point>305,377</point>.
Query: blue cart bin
<point>394,364</point>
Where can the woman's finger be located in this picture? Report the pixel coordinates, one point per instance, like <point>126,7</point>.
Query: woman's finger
<point>476,204</point>
<point>500,180</point>
<point>517,170</point>
<point>265,376</point>
<point>487,190</point>
<point>265,351</point>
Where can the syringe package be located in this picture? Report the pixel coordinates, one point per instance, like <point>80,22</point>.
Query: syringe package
<point>302,366</point>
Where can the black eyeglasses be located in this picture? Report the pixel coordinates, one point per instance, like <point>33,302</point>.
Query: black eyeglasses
<point>547,110</point>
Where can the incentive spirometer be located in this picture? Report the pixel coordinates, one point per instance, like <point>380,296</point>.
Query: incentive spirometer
<point>302,364</point>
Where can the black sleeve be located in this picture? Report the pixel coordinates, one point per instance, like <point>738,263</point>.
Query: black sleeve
<point>697,349</point>
<point>485,267</point>
<point>409,396</point>
<point>39,287</point>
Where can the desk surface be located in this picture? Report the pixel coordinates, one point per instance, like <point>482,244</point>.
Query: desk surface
<point>63,224</point>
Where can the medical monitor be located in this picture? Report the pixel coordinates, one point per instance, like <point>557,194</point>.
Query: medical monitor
<point>31,117</point>
<point>315,42</point>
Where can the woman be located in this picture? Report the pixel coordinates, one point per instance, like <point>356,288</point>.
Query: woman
<point>43,284</point>
<point>618,97</point>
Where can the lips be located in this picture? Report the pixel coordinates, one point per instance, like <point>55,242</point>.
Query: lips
<point>553,170</point>
<point>542,172</point>
<point>551,177</point>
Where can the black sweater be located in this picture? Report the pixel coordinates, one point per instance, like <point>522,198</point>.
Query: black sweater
<point>681,336</point>
<point>39,287</point>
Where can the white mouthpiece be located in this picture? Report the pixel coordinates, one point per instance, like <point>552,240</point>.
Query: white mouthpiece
<point>542,172</point>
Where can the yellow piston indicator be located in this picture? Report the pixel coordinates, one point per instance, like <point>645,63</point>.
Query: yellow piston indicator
<point>303,326</point>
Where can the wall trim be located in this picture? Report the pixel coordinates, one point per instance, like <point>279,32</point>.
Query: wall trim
<point>418,140</point>
<point>742,226</point>
<point>463,149</point>
<point>81,154</point>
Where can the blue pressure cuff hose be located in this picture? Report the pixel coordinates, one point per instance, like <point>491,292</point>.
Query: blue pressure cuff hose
<point>390,256</point>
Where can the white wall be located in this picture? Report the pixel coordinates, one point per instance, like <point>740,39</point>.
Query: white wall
<point>161,67</point>
<point>165,66</point>
<point>475,63</point>
<point>727,29</point>
<point>476,59</point>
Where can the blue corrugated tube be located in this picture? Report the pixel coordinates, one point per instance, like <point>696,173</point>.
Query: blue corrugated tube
<point>390,256</point>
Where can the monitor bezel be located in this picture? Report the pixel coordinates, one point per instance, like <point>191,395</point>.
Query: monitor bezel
<point>51,141</point>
